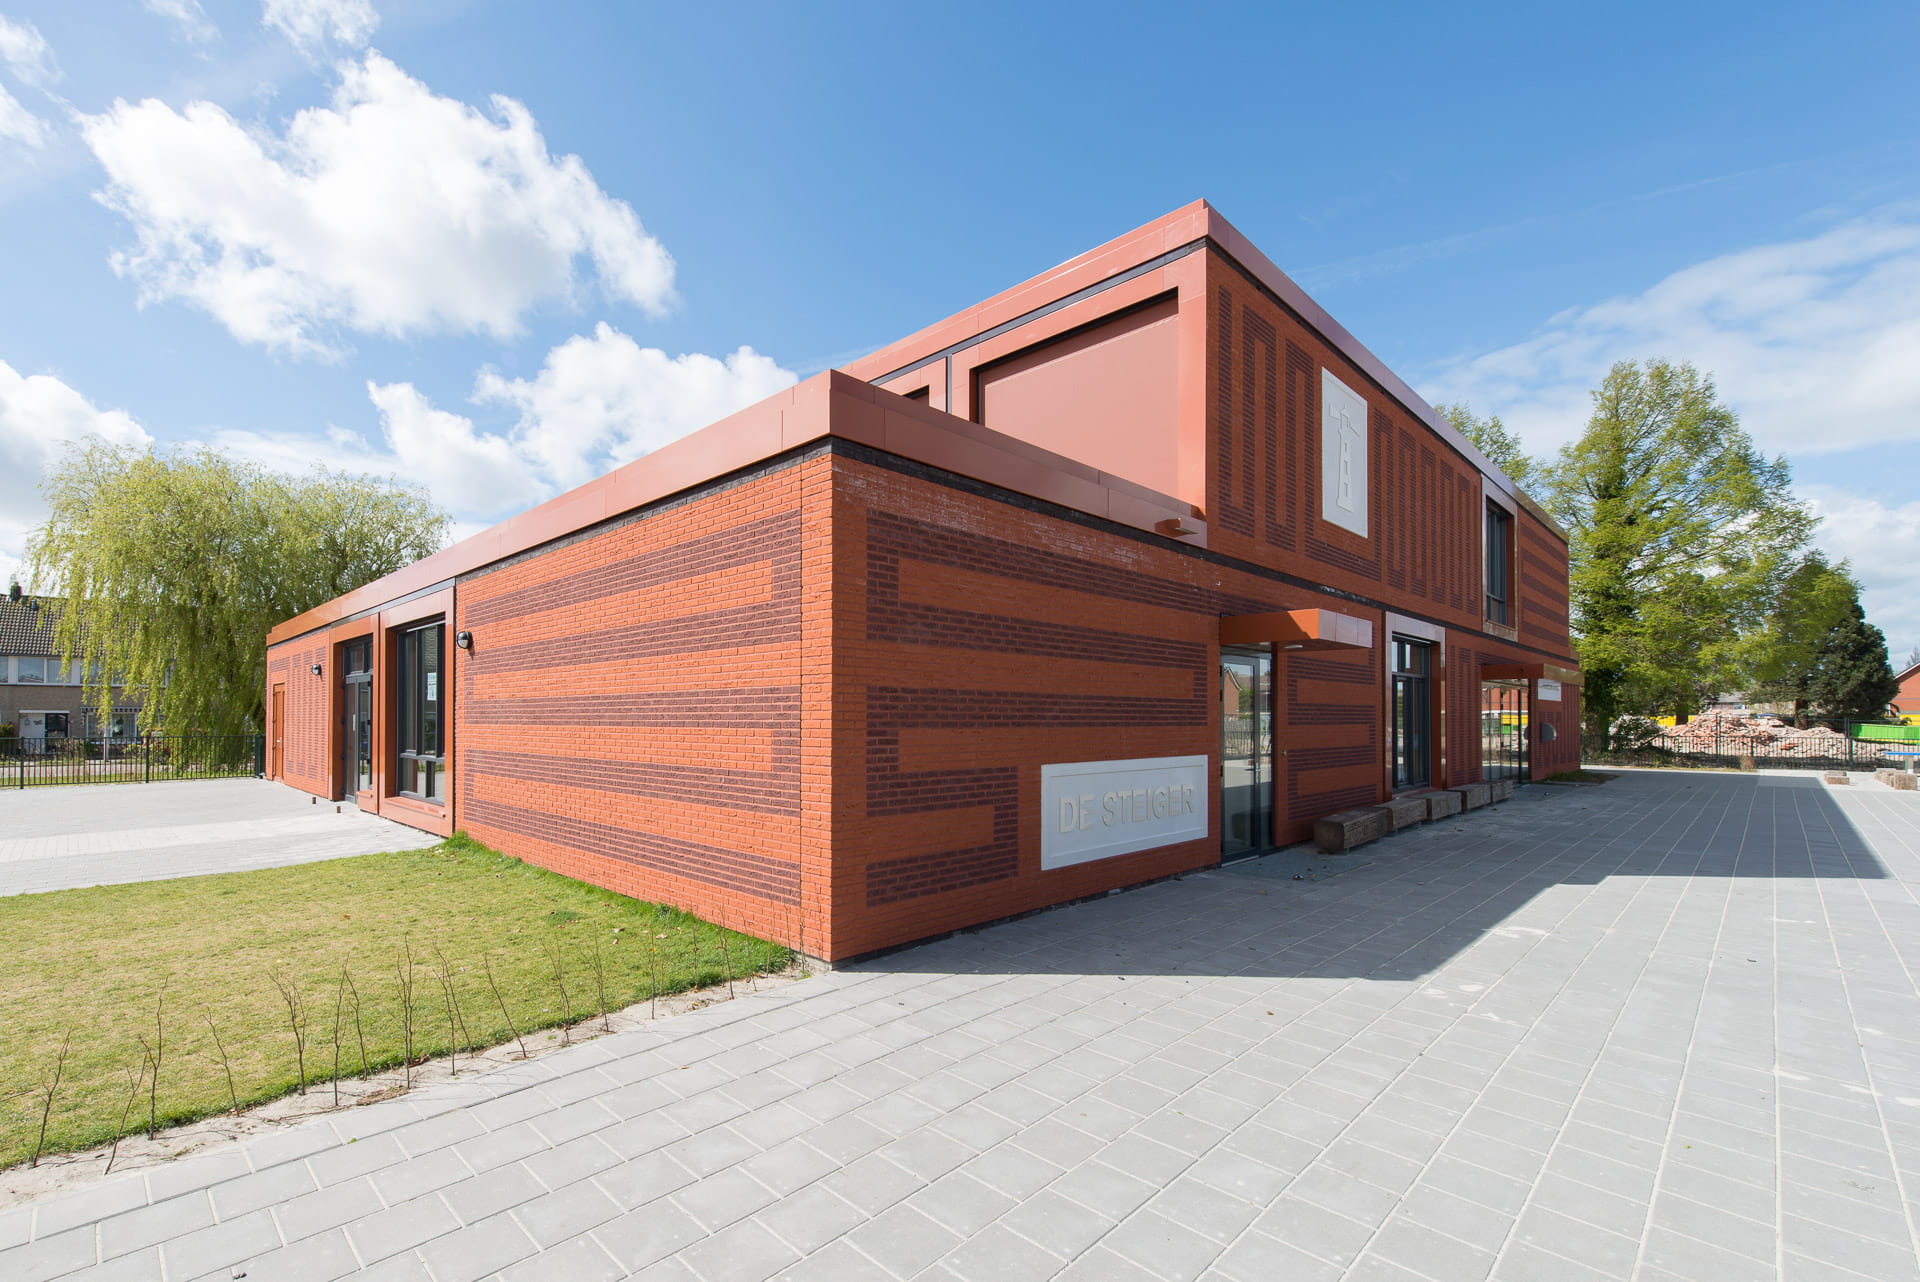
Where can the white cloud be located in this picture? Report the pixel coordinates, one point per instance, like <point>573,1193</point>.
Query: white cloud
<point>188,18</point>
<point>40,416</point>
<point>605,400</point>
<point>392,211</point>
<point>1879,540</point>
<point>311,24</point>
<point>596,403</point>
<point>25,52</point>
<point>466,469</point>
<point>1813,342</point>
<point>19,124</point>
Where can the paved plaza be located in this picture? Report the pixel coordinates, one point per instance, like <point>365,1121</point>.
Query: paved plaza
<point>1661,1029</point>
<point>105,834</point>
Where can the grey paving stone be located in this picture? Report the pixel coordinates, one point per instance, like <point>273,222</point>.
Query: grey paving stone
<point>141,1266</point>
<point>641,1180</point>
<point>741,1252</point>
<point>491,1192</point>
<point>477,1250</point>
<point>55,1255</point>
<point>399,1229</point>
<point>1161,1246</point>
<point>1315,1230</point>
<point>641,1238</point>
<point>326,1209</point>
<point>1255,1257</point>
<point>320,1258</point>
<point>565,1213</point>
<point>221,1246</point>
<point>903,1240</point>
<point>995,1252</point>
<point>57,1215</point>
<point>148,1225</point>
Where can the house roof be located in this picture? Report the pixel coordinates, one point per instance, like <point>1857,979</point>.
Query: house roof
<point>26,628</point>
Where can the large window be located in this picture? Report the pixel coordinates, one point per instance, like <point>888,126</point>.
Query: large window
<point>1498,559</point>
<point>419,727</point>
<point>1412,712</point>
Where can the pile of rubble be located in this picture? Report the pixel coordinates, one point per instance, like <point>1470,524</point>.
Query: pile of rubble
<point>1735,734</point>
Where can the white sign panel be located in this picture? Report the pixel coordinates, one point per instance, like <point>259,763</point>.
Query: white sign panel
<point>1549,691</point>
<point>1098,809</point>
<point>1343,455</point>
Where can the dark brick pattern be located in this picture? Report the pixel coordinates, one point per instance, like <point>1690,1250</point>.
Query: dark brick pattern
<point>892,539</point>
<point>1301,713</point>
<point>550,757</point>
<point>774,879</point>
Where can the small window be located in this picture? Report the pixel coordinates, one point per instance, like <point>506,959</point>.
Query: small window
<point>1498,559</point>
<point>420,731</point>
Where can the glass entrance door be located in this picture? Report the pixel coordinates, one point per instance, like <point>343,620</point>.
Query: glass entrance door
<point>1504,713</point>
<point>357,662</point>
<point>1246,750</point>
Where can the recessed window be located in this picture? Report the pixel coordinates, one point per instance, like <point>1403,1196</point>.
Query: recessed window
<point>419,727</point>
<point>1498,558</point>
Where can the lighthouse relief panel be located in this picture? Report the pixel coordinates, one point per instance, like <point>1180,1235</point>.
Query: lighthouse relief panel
<point>1343,455</point>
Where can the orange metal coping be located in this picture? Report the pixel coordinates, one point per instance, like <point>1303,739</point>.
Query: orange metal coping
<point>1183,226</point>
<point>1310,629</point>
<point>829,404</point>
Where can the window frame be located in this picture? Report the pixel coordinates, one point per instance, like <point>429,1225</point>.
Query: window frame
<point>413,711</point>
<point>1496,560</point>
<point>1410,689</point>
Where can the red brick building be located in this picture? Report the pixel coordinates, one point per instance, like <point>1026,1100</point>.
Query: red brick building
<point>1906,704</point>
<point>1138,565</point>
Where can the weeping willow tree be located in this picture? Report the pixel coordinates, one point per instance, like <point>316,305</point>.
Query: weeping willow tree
<point>171,566</point>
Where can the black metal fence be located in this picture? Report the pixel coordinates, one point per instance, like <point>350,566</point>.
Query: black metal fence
<point>28,762</point>
<point>1730,754</point>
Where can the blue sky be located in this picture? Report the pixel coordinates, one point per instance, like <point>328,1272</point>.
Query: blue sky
<point>499,247</point>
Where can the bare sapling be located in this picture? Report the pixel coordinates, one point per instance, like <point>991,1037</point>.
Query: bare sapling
<point>296,1018</point>
<point>135,1076</point>
<point>359,1029</point>
<point>557,963</point>
<point>726,955</point>
<point>513,1028</point>
<point>339,1018</point>
<point>467,1038</point>
<point>444,975</point>
<point>599,963</point>
<point>403,973</point>
<point>653,975</point>
<point>220,1048</point>
<point>53,1089</point>
<point>154,1053</point>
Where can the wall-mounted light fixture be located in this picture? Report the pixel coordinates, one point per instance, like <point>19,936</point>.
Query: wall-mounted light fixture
<point>315,669</point>
<point>464,640</point>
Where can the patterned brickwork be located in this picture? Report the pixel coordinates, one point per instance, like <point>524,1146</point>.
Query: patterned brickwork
<point>1423,550</point>
<point>1330,714</point>
<point>1463,714</point>
<point>308,707</point>
<point>631,712</point>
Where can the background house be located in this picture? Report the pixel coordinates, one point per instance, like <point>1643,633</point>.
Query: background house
<point>47,700</point>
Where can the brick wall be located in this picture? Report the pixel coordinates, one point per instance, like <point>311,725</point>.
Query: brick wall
<point>1263,430</point>
<point>304,741</point>
<point>979,640</point>
<point>631,713</point>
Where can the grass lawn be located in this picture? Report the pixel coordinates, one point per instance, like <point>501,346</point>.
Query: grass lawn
<point>96,963</point>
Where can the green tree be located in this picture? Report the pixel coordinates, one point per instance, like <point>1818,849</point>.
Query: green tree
<point>174,565</point>
<point>1852,679</point>
<point>1492,439</point>
<point>1783,657</point>
<point>1681,533</point>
